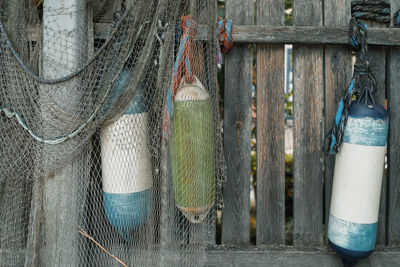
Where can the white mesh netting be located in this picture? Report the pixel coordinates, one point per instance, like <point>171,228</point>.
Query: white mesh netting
<point>109,133</point>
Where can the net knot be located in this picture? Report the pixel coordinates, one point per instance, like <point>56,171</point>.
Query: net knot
<point>224,37</point>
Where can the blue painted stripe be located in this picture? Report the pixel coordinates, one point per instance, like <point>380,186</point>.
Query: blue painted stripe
<point>348,253</point>
<point>128,211</point>
<point>352,236</point>
<point>366,131</point>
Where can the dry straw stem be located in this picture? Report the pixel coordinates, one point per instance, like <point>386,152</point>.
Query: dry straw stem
<point>82,232</point>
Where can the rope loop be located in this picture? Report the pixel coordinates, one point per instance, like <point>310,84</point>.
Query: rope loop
<point>183,61</point>
<point>224,33</point>
<point>358,35</point>
<point>363,76</point>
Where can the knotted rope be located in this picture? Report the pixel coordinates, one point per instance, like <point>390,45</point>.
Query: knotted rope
<point>378,10</point>
<point>189,28</point>
<point>362,77</point>
<point>186,47</point>
<point>224,40</point>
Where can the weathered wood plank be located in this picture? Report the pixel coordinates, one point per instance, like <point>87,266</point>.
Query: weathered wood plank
<point>338,74</point>
<point>378,60</point>
<point>308,131</point>
<point>310,35</point>
<point>237,121</point>
<point>393,234</point>
<point>204,232</point>
<point>261,256</point>
<point>393,230</point>
<point>245,34</point>
<point>270,130</point>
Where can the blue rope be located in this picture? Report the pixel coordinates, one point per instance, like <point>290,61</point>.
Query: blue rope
<point>182,61</point>
<point>396,18</point>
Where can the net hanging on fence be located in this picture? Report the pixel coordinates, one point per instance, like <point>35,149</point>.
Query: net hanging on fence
<point>83,147</point>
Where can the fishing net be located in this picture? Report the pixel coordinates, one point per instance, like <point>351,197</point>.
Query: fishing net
<point>109,135</point>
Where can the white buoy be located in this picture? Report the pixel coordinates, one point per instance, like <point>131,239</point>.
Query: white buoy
<point>353,219</point>
<point>126,166</point>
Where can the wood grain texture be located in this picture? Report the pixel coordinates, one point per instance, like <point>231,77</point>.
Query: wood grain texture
<point>393,234</point>
<point>378,60</point>
<point>255,34</point>
<point>270,131</point>
<point>338,74</point>
<point>237,122</point>
<point>393,225</point>
<point>308,107</point>
<point>232,257</point>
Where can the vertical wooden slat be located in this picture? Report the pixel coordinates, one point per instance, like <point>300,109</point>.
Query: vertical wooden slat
<point>338,74</point>
<point>270,130</point>
<point>378,59</point>
<point>205,232</point>
<point>308,132</point>
<point>237,121</point>
<point>393,230</point>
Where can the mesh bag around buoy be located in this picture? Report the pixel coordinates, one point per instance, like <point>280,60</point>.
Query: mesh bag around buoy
<point>94,170</point>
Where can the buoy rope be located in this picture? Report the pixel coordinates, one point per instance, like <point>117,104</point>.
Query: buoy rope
<point>362,77</point>
<point>189,31</point>
<point>224,37</point>
<point>378,10</point>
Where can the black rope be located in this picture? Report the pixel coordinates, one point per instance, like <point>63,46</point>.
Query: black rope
<point>72,75</point>
<point>378,10</point>
<point>362,77</point>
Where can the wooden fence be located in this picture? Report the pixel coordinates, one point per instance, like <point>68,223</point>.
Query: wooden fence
<point>322,69</point>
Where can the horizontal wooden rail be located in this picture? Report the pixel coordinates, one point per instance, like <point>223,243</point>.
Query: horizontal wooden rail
<point>290,34</point>
<point>288,256</point>
<point>249,34</point>
<point>311,35</point>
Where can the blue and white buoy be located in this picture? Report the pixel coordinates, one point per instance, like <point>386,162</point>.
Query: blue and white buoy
<point>126,166</point>
<point>359,166</point>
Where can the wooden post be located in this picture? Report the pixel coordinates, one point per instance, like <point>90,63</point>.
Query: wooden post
<point>338,74</point>
<point>58,197</point>
<point>393,82</point>
<point>308,104</point>
<point>237,122</point>
<point>270,130</point>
